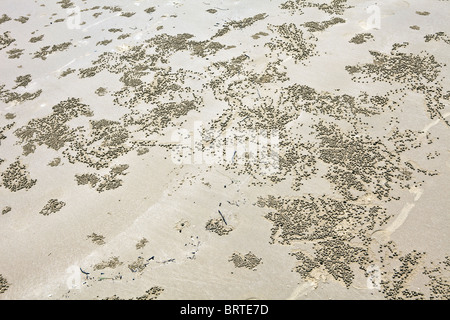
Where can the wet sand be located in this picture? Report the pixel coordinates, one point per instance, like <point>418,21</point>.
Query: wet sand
<point>345,196</point>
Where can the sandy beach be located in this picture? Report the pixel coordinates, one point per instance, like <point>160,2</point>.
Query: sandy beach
<point>224,149</point>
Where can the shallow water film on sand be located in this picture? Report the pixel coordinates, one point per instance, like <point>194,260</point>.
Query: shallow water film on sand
<point>224,149</point>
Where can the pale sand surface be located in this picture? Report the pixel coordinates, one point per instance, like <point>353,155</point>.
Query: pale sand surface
<point>357,209</point>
